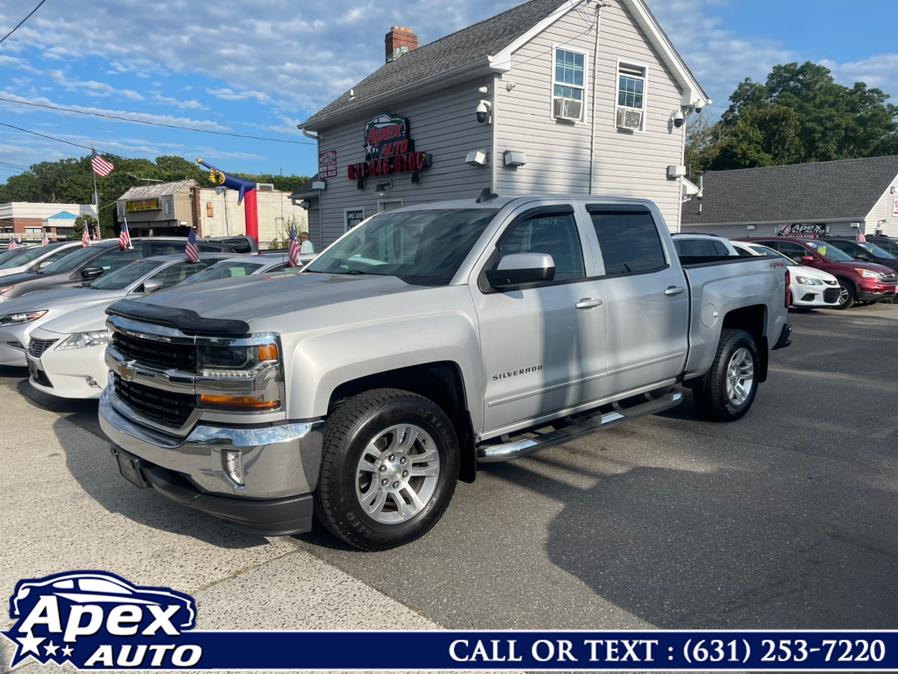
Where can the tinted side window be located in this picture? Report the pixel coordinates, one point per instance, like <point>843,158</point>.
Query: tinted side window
<point>173,275</point>
<point>629,241</point>
<point>793,250</point>
<point>116,259</point>
<point>743,253</point>
<point>555,235</point>
<point>163,248</point>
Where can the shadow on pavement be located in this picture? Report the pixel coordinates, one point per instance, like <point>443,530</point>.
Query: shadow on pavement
<point>684,549</point>
<point>90,462</point>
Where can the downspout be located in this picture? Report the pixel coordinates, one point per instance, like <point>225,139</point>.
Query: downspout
<point>319,244</point>
<point>593,101</point>
<point>494,159</point>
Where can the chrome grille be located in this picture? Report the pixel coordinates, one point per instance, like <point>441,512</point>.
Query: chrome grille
<point>156,354</point>
<point>163,407</point>
<point>36,347</point>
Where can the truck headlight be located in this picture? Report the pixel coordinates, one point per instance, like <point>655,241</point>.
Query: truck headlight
<point>807,281</point>
<point>240,378</point>
<point>22,317</point>
<point>869,273</point>
<point>84,340</point>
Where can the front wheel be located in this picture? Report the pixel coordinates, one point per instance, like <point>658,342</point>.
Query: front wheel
<point>847,295</point>
<point>727,391</point>
<point>388,470</point>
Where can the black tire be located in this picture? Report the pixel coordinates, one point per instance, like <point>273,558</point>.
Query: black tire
<point>848,294</point>
<point>350,429</point>
<point>710,393</point>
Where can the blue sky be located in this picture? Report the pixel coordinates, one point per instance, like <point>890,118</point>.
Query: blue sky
<point>258,68</point>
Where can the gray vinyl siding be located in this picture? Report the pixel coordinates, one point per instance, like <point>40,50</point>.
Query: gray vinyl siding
<point>884,210</point>
<point>629,164</point>
<point>443,125</point>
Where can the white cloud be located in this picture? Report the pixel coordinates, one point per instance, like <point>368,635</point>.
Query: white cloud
<point>228,94</point>
<point>880,71</point>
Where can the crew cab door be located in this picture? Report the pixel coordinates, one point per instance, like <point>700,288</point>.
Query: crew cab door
<point>544,342</point>
<point>646,297</point>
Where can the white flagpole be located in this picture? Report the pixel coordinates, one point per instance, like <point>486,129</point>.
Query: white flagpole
<point>93,173</point>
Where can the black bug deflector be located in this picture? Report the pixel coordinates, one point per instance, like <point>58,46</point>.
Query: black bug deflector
<point>188,322</point>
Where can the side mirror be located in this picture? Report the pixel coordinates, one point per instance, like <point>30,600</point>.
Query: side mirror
<point>89,273</point>
<point>151,286</point>
<point>43,265</point>
<point>805,259</point>
<point>521,269</point>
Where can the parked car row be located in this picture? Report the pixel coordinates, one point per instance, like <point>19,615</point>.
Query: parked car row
<point>53,314</point>
<point>829,272</point>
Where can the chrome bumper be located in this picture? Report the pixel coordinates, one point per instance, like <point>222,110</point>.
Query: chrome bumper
<point>279,460</point>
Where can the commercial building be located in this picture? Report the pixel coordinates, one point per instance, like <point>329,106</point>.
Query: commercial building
<point>27,221</point>
<point>172,209</point>
<point>549,97</point>
<point>827,198</point>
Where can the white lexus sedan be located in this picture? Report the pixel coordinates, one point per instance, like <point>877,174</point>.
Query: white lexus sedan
<point>66,356</point>
<point>810,288</point>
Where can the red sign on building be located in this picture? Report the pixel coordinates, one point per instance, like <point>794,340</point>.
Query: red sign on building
<point>389,149</point>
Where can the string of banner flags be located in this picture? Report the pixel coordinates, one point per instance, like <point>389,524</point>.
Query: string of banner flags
<point>91,233</point>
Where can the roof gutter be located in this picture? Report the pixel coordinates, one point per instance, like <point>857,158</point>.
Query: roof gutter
<point>468,71</point>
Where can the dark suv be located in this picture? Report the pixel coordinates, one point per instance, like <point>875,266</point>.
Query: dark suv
<point>85,264</point>
<point>868,252</point>
<point>858,281</point>
<point>887,243</point>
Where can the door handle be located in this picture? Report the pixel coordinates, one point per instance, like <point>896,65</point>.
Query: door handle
<point>588,303</point>
<point>673,291</point>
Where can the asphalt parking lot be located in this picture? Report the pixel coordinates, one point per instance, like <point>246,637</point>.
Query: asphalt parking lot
<point>787,519</point>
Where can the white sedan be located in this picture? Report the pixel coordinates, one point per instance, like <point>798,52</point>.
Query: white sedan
<point>809,287</point>
<point>67,355</point>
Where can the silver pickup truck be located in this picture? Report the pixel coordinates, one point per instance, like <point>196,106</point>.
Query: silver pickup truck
<point>427,341</point>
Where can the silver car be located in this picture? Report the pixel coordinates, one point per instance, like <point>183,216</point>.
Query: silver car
<point>21,316</point>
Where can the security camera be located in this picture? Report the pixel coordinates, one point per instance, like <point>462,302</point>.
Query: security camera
<point>698,107</point>
<point>483,111</point>
<point>679,119</point>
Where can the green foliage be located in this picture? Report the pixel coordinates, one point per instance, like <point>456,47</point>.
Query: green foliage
<point>70,181</point>
<point>800,114</point>
<point>91,223</point>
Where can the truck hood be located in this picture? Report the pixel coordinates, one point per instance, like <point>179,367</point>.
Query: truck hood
<point>256,297</point>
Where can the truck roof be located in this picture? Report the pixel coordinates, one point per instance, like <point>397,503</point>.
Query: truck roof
<point>496,201</point>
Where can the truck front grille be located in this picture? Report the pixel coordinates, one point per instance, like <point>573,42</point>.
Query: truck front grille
<point>163,407</point>
<point>159,355</point>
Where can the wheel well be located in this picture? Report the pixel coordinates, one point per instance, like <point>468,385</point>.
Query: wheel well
<point>754,321</point>
<point>851,284</point>
<point>440,382</point>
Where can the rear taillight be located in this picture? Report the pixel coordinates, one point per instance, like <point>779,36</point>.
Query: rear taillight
<point>788,289</point>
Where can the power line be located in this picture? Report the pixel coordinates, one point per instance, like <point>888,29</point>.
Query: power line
<point>19,25</point>
<point>121,118</point>
<point>43,135</point>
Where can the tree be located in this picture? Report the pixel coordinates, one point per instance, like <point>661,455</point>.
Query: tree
<point>799,114</point>
<point>86,220</point>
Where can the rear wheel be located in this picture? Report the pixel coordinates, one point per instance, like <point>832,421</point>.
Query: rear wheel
<point>728,389</point>
<point>388,471</point>
<point>847,294</point>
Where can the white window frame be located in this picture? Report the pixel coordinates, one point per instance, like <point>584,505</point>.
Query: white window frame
<point>347,211</point>
<point>553,82</point>
<point>645,91</point>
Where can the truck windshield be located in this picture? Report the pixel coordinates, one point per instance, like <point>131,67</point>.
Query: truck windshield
<point>420,247</point>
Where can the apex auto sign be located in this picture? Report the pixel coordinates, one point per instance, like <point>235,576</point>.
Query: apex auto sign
<point>389,149</point>
<point>803,230</point>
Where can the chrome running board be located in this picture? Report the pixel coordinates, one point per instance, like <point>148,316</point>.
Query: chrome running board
<point>577,427</point>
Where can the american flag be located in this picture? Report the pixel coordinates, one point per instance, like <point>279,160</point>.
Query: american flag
<point>45,241</point>
<point>124,237</point>
<point>293,254</point>
<point>191,250</point>
<point>85,236</point>
<point>102,167</point>
<point>12,244</point>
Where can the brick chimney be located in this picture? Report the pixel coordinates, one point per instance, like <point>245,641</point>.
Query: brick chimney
<point>400,40</point>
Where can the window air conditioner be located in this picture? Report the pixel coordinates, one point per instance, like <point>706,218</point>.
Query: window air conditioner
<point>569,109</point>
<point>629,119</point>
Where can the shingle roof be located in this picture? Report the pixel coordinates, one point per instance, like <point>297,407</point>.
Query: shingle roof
<point>800,193</point>
<point>459,49</point>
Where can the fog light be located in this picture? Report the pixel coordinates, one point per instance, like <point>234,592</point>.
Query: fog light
<point>91,382</point>
<point>233,465</point>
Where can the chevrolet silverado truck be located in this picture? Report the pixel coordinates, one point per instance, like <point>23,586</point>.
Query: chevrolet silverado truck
<point>424,343</point>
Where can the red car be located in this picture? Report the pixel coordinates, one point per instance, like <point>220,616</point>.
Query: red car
<point>858,281</point>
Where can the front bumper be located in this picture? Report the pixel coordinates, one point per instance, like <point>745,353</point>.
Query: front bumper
<point>785,338</point>
<point>281,464</point>
<point>270,517</point>
<point>70,373</point>
<point>871,291</point>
